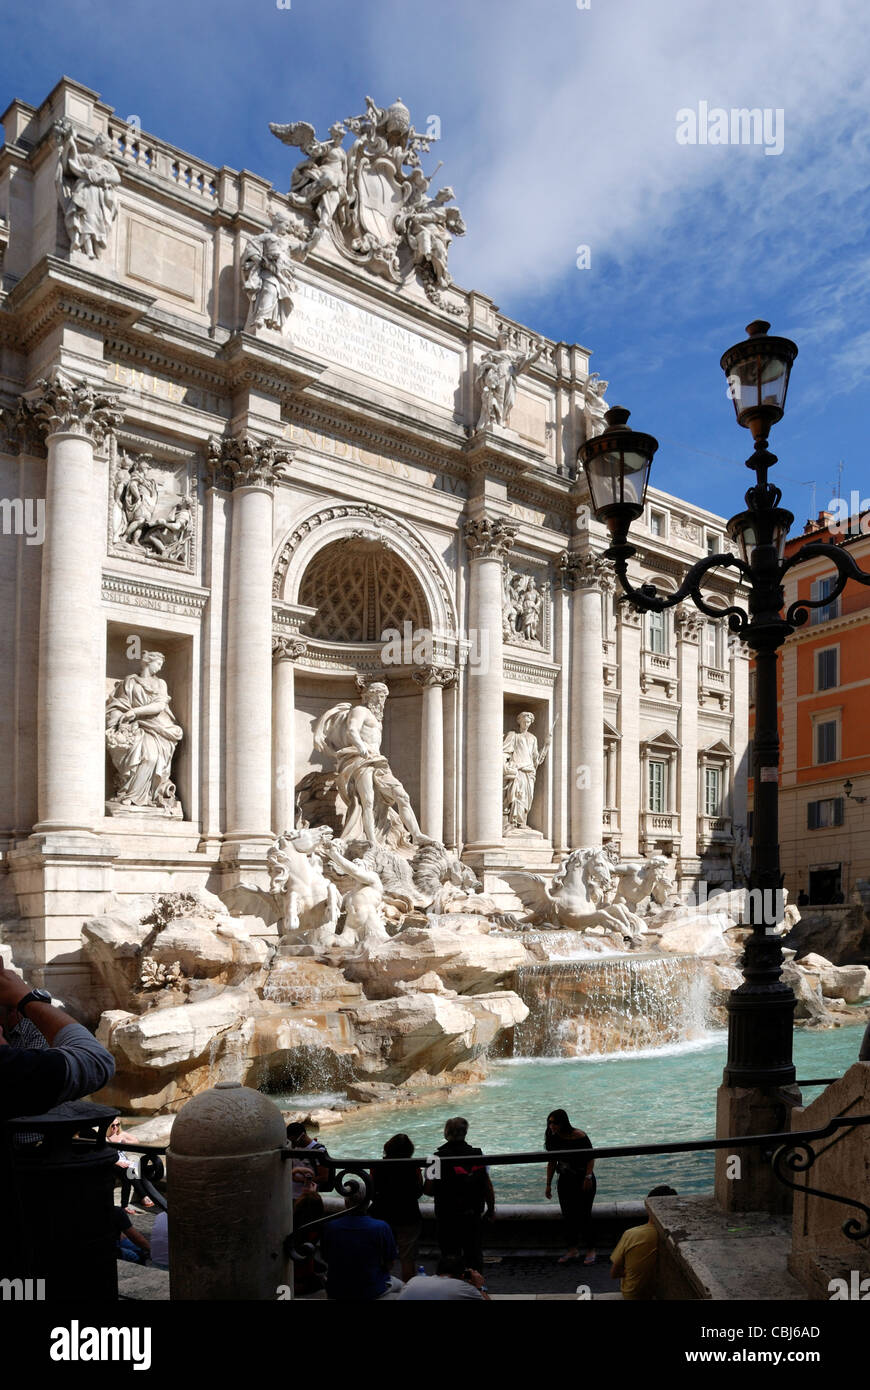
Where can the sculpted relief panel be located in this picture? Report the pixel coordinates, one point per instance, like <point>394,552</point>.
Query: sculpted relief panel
<point>152,511</point>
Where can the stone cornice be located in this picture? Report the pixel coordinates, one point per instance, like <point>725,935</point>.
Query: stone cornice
<point>54,291</point>
<point>489,537</point>
<point>528,671</point>
<point>149,593</point>
<point>241,462</point>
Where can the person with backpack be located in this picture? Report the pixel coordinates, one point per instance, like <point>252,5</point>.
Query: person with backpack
<point>463,1195</point>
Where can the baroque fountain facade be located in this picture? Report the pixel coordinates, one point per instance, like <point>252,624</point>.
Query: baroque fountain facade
<point>330,756</point>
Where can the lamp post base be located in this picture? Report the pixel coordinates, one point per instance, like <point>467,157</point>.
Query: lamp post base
<point>744,1178</point>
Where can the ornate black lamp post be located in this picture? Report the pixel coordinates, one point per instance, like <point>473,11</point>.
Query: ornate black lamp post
<point>617,465</point>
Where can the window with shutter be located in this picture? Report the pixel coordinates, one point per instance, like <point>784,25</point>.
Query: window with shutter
<point>827,672</point>
<point>826,742</point>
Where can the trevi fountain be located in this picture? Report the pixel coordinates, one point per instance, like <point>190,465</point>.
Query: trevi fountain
<point>332,762</point>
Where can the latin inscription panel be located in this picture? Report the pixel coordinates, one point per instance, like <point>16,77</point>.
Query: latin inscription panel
<point>349,336</point>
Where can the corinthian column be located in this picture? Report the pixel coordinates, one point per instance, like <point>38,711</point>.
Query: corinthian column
<point>285,651</point>
<point>251,469</point>
<point>587,577</point>
<point>433,680</point>
<point>488,541</point>
<point>75,417</point>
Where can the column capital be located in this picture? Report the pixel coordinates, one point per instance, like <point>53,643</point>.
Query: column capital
<point>688,623</point>
<point>240,461</point>
<point>589,571</point>
<point>64,405</point>
<point>445,676</point>
<point>288,649</point>
<point>490,538</point>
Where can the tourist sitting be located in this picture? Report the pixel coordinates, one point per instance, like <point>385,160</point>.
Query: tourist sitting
<point>463,1194</point>
<point>298,1138</point>
<point>575,1185</point>
<point>128,1169</point>
<point>130,1244</point>
<point>396,1200</point>
<point>450,1283</point>
<point>633,1261</point>
<point>359,1252</point>
<point>35,1080</point>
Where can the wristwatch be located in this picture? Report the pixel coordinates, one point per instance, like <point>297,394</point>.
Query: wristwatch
<point>39,996</point>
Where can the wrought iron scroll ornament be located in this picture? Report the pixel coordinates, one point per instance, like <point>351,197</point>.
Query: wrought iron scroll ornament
<point>647,598</point>
<point>846,567</point>
<point>799,1157</point>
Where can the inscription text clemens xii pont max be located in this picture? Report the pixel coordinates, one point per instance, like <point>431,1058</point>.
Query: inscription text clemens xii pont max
<point>353,337</point>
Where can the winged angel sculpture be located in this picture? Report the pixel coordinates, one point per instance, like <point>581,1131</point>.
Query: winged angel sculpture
<point>373,197</point>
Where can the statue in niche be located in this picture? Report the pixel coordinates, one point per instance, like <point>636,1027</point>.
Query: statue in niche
<point>497,373</point>
<point>522,607</point>
<point>378,806</point>
<point>142,736</point>
<point>522,758</point>
<point>86,190</point>
<point>594,406</point>
<point>137,505</point>
<point>319,183</point>
<point>267,275</point>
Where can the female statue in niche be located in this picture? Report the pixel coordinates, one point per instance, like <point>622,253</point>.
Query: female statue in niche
<point>521,762</point>
<point>142,736</point>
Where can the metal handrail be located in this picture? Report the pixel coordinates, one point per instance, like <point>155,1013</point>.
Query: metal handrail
<point>788,1150</point>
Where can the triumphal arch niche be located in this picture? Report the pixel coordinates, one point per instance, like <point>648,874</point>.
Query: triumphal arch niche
<point>298,486</point>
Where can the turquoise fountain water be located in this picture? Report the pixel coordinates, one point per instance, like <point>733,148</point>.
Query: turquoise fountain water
<point>662,1095</point>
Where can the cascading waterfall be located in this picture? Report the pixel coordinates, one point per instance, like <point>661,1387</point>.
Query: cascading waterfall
<point>610,1004</point>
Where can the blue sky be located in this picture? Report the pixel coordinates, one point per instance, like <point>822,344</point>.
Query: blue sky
<point>559,130</point>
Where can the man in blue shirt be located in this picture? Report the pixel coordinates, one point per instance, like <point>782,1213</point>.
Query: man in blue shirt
<point>359,1251</point>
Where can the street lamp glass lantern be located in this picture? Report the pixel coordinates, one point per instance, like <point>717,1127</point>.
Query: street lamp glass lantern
<point>757,371</point>
<point>617,465</point>
<point>762,527</point>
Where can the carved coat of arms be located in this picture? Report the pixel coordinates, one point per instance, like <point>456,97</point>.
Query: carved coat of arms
<point>372,199</point>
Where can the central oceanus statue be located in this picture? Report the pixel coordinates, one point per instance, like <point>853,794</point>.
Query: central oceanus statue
<point>378,807</point>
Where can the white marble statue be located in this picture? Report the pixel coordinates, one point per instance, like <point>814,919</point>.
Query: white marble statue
<point>522,758</point>
<point>267,275</point>
<point>429,227</point>
<point>142,736</point>
<point>319,183</point>
<point>496,375</point>
<point>301,898</point>
<point>594,406</point>
<point>363,905</point>
<point>577,896</point>
<point>378,806</point>
<point>651,879</point>
<point>86,189</point>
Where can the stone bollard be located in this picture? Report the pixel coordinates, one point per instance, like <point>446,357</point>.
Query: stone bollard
<point>230,1197</point>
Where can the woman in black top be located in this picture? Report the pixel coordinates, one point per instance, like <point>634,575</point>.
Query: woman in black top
<point>397,1190</point>
<point>575,1186</point>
